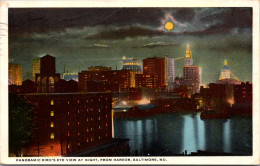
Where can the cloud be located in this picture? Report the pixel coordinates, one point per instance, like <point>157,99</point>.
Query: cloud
<point>157,44</point>
<point>95,46</point>
<point>125,32</point>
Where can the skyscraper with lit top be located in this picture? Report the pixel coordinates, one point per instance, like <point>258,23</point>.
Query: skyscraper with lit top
<point>225,73</point>
<point>191,73</point>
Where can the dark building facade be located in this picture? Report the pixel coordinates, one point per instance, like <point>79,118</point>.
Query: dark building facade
<point>46,79</point>
<point>69,122</point>
<point>105,80</point>
<point>192,77</point>
<point>153,73</point>
<point>243,99</point>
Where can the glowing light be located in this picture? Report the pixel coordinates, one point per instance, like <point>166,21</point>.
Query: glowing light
<point>124,102</point>
<point>231,101</point>
<point>144,101</point>
<point>169,25</point>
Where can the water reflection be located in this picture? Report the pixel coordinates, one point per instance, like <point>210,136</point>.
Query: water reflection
<point>173,133</point>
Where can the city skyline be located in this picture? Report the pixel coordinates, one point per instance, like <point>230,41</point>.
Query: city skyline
<point>214,34</point>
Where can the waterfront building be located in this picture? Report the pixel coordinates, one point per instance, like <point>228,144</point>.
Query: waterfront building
<point>243,99</point>
<point>106,80</point>
<point>14,74</point>
<point>47,77</point>
<point>191,73</point>
<point>132,65</point>
<point>36,66</point>
<point>69,122</point>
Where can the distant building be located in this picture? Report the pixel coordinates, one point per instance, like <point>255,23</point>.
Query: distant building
<point>225,76</point>
<point>36,67</point>
<point>14,74</point>
<point>99,68</point>
<point>71,76</point>
<point>69,122</point>
<point>109,80</point>
<point>46,79</point>
<point>153,73</point>
<point>188,61</point>
<point>169,73</point>
<point>155,66</point>
<point>191,73</point>
<point>132,65</point>
<point>147,80</point>
<point>225,73</point>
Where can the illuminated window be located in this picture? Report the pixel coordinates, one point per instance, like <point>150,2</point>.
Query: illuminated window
<point>52,102</point>
<point>99,99</point>
<point>52,124</point>
<point>78,122</point>
<point>68,113</point>
<point>78,111</point>
<point>87,110</point>
<point>87,101</point>
<point>106,115</point>
<point>91,139</point>
<point>87,129</point>
<point>91,118</point>
<point>99,127</point>
<point>106,135</point>
<point>106,124</point>
<point>52,113</point>
<point>87,140</point>
<point>78,143</point>
<point>87,119</point>
<point>52,136</point>
<point>78,101</point>
<point>99,118</point>
<point>78,133</point>
<point>68,102</point>
<point>91,129</point>
<point>68,133</point>
<point>99,137</point>
<point>68,123</point>
<point>68,146</point>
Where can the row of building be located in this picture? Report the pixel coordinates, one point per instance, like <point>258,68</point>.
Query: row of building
<point>157,72</point>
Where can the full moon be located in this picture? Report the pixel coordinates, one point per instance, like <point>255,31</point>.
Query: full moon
<point>169,25</point>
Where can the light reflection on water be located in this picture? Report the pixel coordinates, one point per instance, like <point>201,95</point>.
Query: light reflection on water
<point>173,133</point>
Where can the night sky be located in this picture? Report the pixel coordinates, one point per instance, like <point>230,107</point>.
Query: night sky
<point>84,37</point>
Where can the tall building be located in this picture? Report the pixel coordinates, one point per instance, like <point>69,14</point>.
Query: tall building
<point>188,61</point>
<point>132,65</point>
<point>69,122</point>
<point>104,80</point>
<point>225,76</point>
<point>153,73</point>
<point>191,73</point>
<point>225,73</point>
<point>14,74</point>
<point>170,73</point>
<point>46,79</point>
<point>36,67</point>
